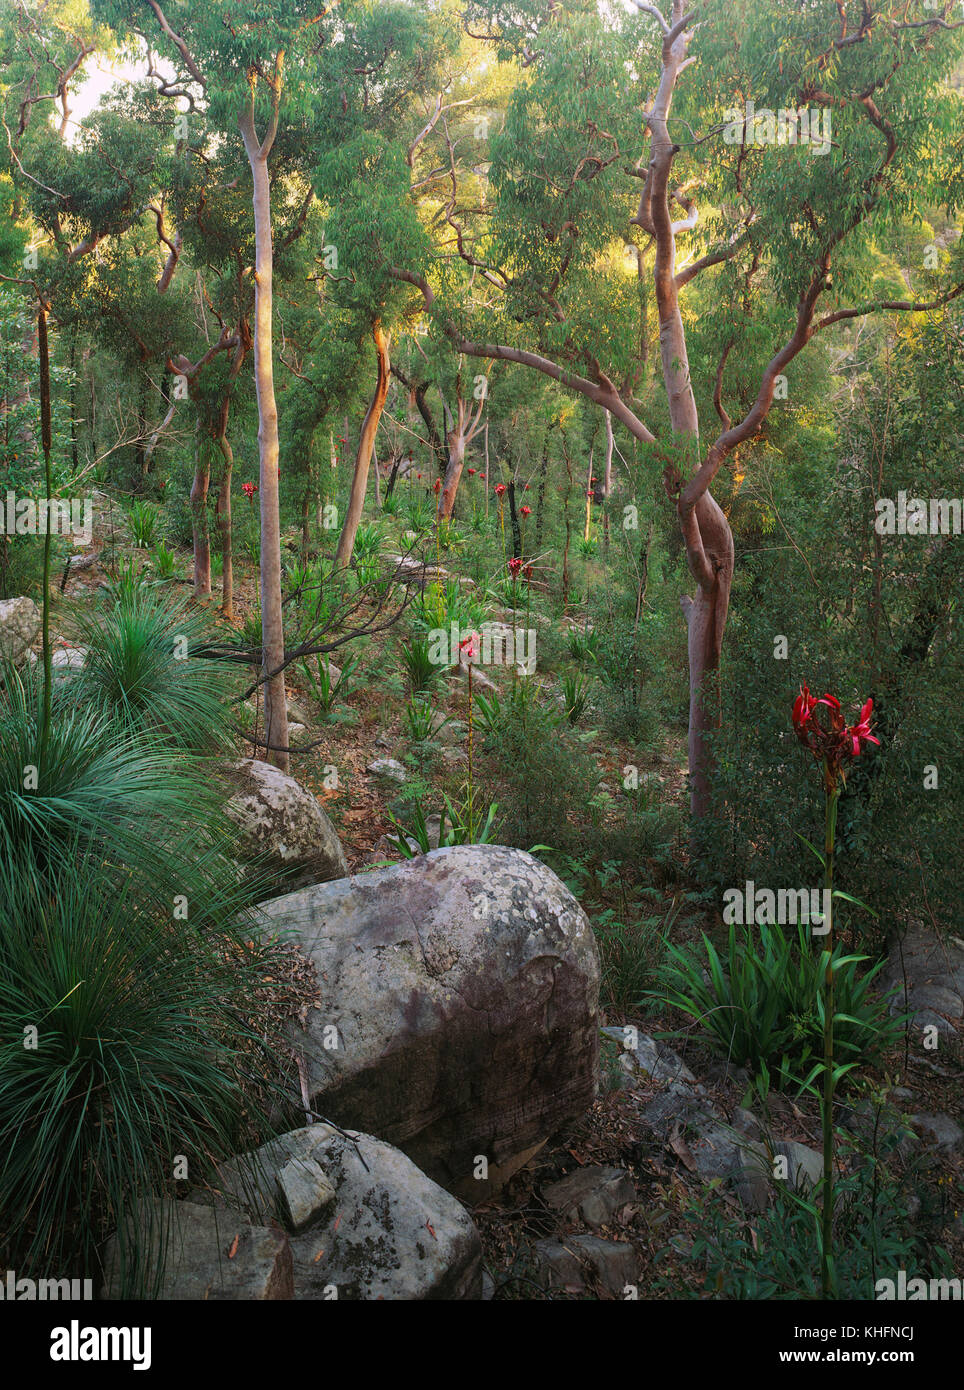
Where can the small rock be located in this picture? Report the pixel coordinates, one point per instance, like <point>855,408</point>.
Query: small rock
<point>20,621</point>
<point>745,1122</point>
<point>612,1262</point>
<point>595,1193</point>
<point>387,767</point>
<point>305,1191</point>
<point>654,1059</point>
<point>944,1132</point>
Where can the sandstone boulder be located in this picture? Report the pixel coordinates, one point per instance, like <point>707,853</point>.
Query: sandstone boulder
<point>282,825</point>
<point>459,998</point>
<point>368,1224</point>
<point>209,1254</point>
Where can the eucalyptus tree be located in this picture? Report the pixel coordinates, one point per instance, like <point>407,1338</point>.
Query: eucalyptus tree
<point>255,77</point>
<point>777,142</point>
<point>383,92</point>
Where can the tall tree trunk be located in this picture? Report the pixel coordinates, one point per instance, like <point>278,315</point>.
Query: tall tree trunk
<point>73,401</point>
<point>272,618</point>
<point>140,466</point>
<point>541,495</point>
<point>306,520</point>
<point>453,472</point>
<point>224,525</point>
<point>366,445</point>
<point>514,519</point>
<point>565,513</point>
<point>378,481</point>
<point>608,470</point>
<point>485,438</point>
<point>199,518</point>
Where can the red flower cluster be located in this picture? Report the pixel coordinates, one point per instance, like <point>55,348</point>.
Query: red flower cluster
<point>499,489</point>
<point>515,566</point>
<point>471,471</point>
<point>469,647</point>
<point>249,489</point>
<point>525,511</point>
<point>832,742</point>
<point>437,486</point>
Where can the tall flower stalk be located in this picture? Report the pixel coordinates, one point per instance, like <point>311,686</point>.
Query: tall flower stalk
<point>834,745</point>
<point>469,647</point>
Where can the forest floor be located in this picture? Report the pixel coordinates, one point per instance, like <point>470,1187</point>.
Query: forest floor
<point>368,725</point>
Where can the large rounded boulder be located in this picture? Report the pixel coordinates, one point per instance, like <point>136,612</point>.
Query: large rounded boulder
<point>459,1000</point>
<point>281,826</point>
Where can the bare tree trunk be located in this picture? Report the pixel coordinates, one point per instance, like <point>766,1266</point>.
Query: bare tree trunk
<point>709,541</point>
<point>199,519</point>
<point>453,470</point>
<point>224,525</point>
<point>272,618</point>
<point>306,520</point>
<point>541,500</point>
<point>366,445</point>
<point>514,521</point>
<point>463,431</point>
<point>565,512</point>
<point>486,438</point>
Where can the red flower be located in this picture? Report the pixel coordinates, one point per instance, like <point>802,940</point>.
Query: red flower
<point>471,471</point>
<point>418,475</point>
<point>827,736</point>
<point>499,489</point>
<point>862,729</point>
<point>469,647</point>
<point>249,489</point>
<point>527,573</point>
<point>525,511</point>
<point>515,566</point>
<point>437,486</point>
<point>526,489</point>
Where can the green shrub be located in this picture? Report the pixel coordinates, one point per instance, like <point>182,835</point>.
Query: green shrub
<point>142,520</point>
<point>543,778</point>
<point>763,1007</point>
<point>775,1256</point>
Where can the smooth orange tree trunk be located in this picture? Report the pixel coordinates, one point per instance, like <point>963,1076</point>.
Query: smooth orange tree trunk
<point>272,622</point>
<point>366,446</point>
